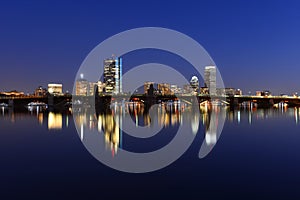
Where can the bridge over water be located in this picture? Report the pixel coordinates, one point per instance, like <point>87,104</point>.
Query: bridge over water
<point>261,101</point>
<point>51,101</point>
<point>63,101</point>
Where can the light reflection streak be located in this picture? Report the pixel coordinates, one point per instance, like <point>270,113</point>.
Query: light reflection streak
<point>109,125</point>
<point>296,115</point>
<point>54,120</point>
<point>167,114</point>
<point>41,118</point>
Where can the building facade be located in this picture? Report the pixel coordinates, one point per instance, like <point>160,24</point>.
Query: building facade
<point>210,79</point>
<point>164,88</point>
<point>40,92</point>
<point>81,86</point>
<point>112,76</point>
<point>147,86</point>
<point>55,88</point>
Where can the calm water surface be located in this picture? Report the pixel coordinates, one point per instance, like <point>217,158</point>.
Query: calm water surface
<point>256,156</point>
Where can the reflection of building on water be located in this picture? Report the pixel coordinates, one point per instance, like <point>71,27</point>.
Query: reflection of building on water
<point>170,113</point>
<point>254,114</point>
<point>41,118</point>
<point>211,127</point>
<point>296,114</point>
<point>195,123</point>
<point>3,108</point>
<point>54,120</point>
<point>109,124</point>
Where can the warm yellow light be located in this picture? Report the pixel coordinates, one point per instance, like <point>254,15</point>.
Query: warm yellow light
<point>54,121</point>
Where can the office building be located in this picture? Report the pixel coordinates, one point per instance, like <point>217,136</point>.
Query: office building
<point>210,79</point>
<point>113,75</point>
<point>40,92</point>
<point>81,86</point>
<point>147,86</point>
<point>101,87</point>
<point>164,88</point>
<point>55,88</point>
<point>92,88</point>
<point>238,92</point>
<point>174,89</point>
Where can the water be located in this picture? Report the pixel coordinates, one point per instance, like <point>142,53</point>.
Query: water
<point>256,156</point>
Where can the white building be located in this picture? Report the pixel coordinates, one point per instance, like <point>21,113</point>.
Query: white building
<point>210,79</point>
<point>55,88</point>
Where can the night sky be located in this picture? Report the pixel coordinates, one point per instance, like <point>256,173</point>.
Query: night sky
<point>255,44</point>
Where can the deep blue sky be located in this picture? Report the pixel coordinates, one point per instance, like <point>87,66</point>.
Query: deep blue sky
<point>255,44</point>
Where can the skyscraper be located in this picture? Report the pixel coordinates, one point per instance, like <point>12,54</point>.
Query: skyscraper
<point>147,86</point>
<point>210,79</point>
<point>113,75</point>
<point>81,86</point>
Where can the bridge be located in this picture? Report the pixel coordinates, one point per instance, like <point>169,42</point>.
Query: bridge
<point>57,102</point>
<point>234,101</point>
<point>61,102</point>
<point>264,101</point>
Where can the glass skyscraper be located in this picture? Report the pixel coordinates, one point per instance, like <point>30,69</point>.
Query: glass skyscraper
<point>210,79</point>
<point>113,75</point>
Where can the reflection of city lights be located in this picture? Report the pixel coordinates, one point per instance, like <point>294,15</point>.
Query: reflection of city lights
<point>136,120</point>
<point>54,120</point>
<point>211,132</point>
<point>67,121</point>
<point>250,117</point>
<point>81,132</point>
<point>109,124</point>
<point>231,116</point>
<point>100,123</point>
<point>111,131</point>
<point>91,120</point>
<point>210,138</point>
<point>41,118</point>
<point>296,115</point>
<point>13,117</point>
<point>195,124</point>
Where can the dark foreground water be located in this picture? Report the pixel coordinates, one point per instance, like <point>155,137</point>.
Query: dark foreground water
<point>256,157</point>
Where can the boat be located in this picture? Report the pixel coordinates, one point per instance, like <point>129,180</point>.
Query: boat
<point>38,106</point>
<point>31,104</point>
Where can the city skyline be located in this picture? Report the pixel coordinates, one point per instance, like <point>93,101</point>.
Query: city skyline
<point>86,88</point>
<point>111,82</point>
<point>132,99</point>
<point>258,40</point>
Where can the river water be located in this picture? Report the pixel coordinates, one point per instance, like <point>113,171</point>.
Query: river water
<point>256,156</point>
